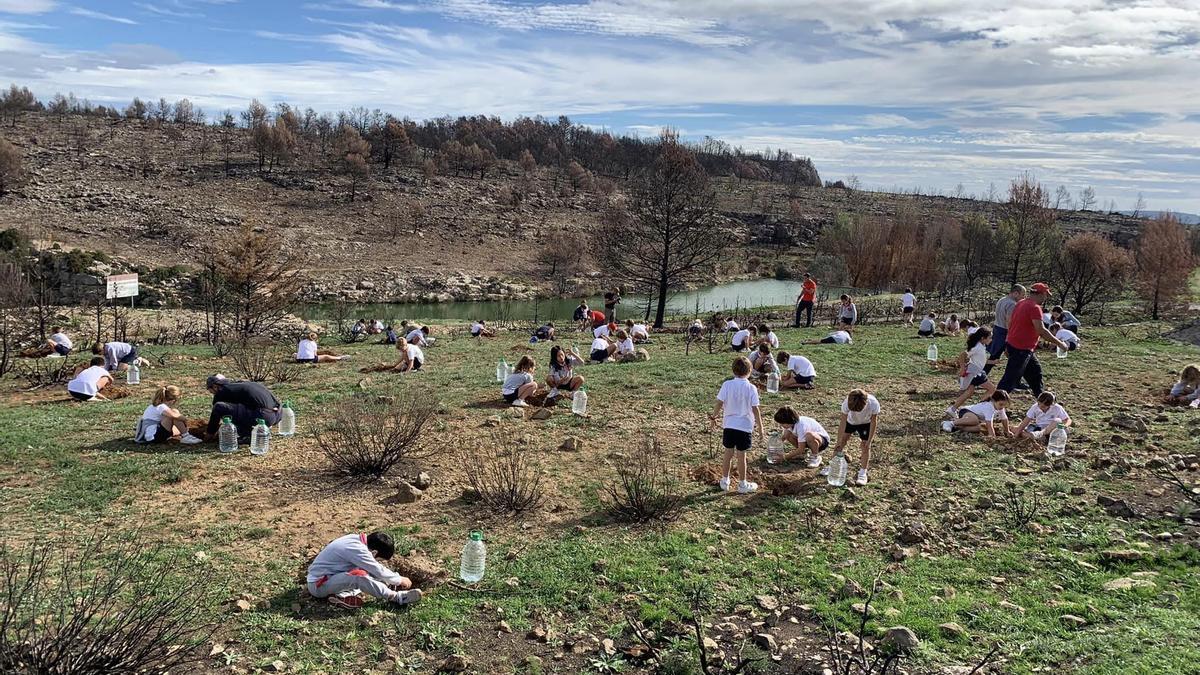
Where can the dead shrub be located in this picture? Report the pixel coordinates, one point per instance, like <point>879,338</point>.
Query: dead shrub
<point>506,477</point>
<point>263,363</point>
<point>107,604</point>
<point>369,435</point>
<point>1018,507</point>
<point>646,489</point>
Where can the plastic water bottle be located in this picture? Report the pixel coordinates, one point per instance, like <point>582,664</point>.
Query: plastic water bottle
<point>772,383</point>
<point>474,559</point>
<point>227,436</point>
<point>579,403</point>
<point>775,449</point>
<point>837,470</point>
<point>1060,352</point>
<point>932,353</point>
<point>287,420</point>
<point>260,438</point>
<point>1057,447</point>
<point>501,370</point>
<point>134,374</point>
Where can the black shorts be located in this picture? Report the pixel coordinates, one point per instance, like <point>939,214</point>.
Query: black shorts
<point>979,379</point>
<point>80,397</point>
<point>925,333</point>
<point>828,341</point>
<point>863,431</point>
<point>909,310</point>
<point>739,348</point>
<point>599,355</point>
<point>131,356</point>
<point>315,359</point>
<point>509,398</point>
<point>416,364</point>
<point>1072,346</point>
<point>804,379</point>
<point>847,321</point>
<point>61,350</point>
<point>162,434</point>
<point>738,440</point>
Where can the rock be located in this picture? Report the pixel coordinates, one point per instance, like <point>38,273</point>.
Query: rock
<point>1072,621</point>
<point>766,642</point>
<point>710,644</point>
<point>1116,507</point>
<point>851,589</point>
<point>243,605</point>
<point>861,608</point>
<point>900,639</point>
<point>423,481</point>
<point>503,627</point>
<point>1011,607</point>
<point>276,666</point>
<point>407,493</point>
<point>984,503</point>
<point>1126,583</point>
<point>768,602</point>
<point>1128,422</point>
<point>952,630</point>
<point>539,634</point>
<point>1120,555</point>
<point>571,444</point>
<point>216,649</point>
<point>455,663</point>
<point>913,533</point>
<point>1077,491</point>
<point>608,647</point>
<point>900,553</point>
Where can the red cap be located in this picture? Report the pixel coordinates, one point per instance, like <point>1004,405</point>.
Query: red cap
<point>1040,288</point>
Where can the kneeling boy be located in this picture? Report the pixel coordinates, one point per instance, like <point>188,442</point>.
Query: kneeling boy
<point>349,566</point>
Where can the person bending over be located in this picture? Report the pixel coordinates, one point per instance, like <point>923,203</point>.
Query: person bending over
<point>348,568</point>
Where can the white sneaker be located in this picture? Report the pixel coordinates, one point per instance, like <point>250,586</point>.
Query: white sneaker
<point>723,484</point>
<point>189,439</point>
<point>861,479</point>
<point>553,393</point>
<point>951,411</point>
<point>56,355</point>
<point>814,461</point>
<point>948,426</point>
<point>519,404</point>
<point>746,487</point>
<point>824,471</point>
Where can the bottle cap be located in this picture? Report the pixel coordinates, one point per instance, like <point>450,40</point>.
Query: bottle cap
<point>226,420</point>
<point>476,535</point>
<point>287,404</point>
<point>260,421</point>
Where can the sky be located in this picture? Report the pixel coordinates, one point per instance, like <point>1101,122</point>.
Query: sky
<point>902,94</point>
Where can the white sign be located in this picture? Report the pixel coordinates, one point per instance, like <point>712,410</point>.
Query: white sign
<point>121,286</point>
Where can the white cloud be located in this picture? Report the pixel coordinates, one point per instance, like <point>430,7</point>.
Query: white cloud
<point>26,6</point>
<point>92,14</point>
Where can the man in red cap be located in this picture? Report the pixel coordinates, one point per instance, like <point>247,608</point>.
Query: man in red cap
<point>1025,327</point>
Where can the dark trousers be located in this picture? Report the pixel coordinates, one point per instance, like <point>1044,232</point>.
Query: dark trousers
<point>243,418</point>
<point>1021,363</point>
<point>996,349</point>
<point>803,306</point>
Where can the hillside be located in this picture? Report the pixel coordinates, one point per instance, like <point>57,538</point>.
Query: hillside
<point>156,196</point>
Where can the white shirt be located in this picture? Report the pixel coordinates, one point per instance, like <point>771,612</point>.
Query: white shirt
<point>909,300</point>
<point>476,328</point>
<point>927,325</point>
<point>62,339</point>
<point>807,424</point>
<point>625,346</point>
<point>731,325</point>
<point>415,353</point>
<point>1046,318</point>
<point>801,366</point>
<point>599,344</point>
<point>86,381</point>
<point>977,357</point>
<point>841,337</point>
<point>306,350</point>
<point>514,382</point>
<point>1067,336</point>
<point>114,352</point>
<point>378,324</point>
<point>639,330</point>
<point>1046,418</point>
<point>972,329</point>
<point>153,414</point>
<point>739,398</point>
<point>416,335</point>
<point>741,338</point>
<point>773,340</point>
<point>862,416</point>
<point>601,331</point>
<point>349,553</point>
<point>986,410</point>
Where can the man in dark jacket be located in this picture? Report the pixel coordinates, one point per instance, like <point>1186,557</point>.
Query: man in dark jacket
<point>242,402</point>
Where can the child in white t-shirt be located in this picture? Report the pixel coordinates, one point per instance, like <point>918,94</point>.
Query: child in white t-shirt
<point>743,339</point>
<point>1042,418</point>
<point>908,304</point>
<point>161,422</point>
<point>837,337</point>
<point>602,350</point>
<point>638,332</point>
<point>972,365</point>
<point>520,385</point>
<point>737,407</point>
<point>625,349</point>
<point>761,361</point>
<point>306,352</point>
<point>951,325</point>
<point>928,325</point>
<point>1066,336</point>
<point>860,417</point>
<point>800,372</point>
<point>806,435</point>
<point>981,417</point>
<point>1187,389</point>
<point>765,334</point>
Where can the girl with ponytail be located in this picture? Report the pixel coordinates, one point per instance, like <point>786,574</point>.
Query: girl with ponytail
<point>162,422</point>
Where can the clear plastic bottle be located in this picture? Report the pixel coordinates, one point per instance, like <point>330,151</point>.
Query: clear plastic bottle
<point>1057,446</point>
<point>932,353</point>
<point>775,448</point>
<point>1060,352</point>
<point>287,420</point>
<point>260,438</point>
<point>501,370</point>
<point>474,558</point>
<point>838,468</point>
<point>772,382</point>
<point>227,440</point>
<point>579,402</point>
<point>134,374</point>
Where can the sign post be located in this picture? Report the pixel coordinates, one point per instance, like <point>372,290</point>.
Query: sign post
<point>121,286</point>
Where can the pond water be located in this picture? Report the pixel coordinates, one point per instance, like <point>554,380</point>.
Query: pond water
<point>750,293</point>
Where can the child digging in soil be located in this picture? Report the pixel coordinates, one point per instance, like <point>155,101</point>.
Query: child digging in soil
<point>162,422</point>
<point>89,382</point>
<point>737,405</point>
<point>972,364</point>
<point>1187,389</point>
<point>761,362</point>
<point>562,376</point>
<point>806,435</point>
<point>980,418</point>
<point>860,417</point>
<point>520,385</point>
<point>1043,417</point>
<point>800,372</point>
<point>349,567</point>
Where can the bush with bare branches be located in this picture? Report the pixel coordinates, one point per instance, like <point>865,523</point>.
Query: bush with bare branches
<point>506,476</point>
<point>646,488</point>
<point>259,362</point>
<point>369,435</point>
<point>107,604</point>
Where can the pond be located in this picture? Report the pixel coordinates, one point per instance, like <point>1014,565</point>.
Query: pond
<point>749,293</point>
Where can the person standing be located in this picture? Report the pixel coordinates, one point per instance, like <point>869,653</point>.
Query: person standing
<point>909,303</point>
<point>1004,310</point>
<point>611,300</point>
<point>804,301</point>
<point>1025,327</point>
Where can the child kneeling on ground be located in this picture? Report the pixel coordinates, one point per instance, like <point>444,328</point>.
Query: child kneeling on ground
<point>800,372</point>
<point>980,418</point>
<point>737,406</point>
<point>1187,389</point>
<point>1042,418</point>
<point>162,422</point>
<point>520,385</point>
<point>806,435</point>
<point>349,567</point>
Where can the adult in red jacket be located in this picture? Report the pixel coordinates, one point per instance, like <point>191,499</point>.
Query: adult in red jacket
<point>1025,327</point>
<point>597,318</point>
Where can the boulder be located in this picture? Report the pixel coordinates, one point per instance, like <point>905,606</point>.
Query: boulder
<point>1127,583</point>
<point>571,444</point>
<point>900,639</point>
<point>1116,507</point>
<point>952,630</point>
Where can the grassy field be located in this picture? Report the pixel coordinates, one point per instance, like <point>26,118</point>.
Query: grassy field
<point>933,525</point>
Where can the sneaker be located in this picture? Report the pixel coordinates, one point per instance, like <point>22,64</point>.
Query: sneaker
<point>951,411</point>
<point>948,426</point>
<point>861,479</point>
<point>723,484</point>
<point>520,404</point>
<point>553,393</point>
<point>408,597</point>
<point>746,487</point>
<point>56,355</point>
<point>824,471</point>
<point>814,461</point>
<point>347,601</point>
<point>189,439</point>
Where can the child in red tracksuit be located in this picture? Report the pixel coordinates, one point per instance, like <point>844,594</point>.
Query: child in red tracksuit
<point>349,567</point>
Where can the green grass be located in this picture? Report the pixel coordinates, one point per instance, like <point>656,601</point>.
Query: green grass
<point>73,463</point>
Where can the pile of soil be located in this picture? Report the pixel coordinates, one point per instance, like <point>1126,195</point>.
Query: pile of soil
<point>113,392</point>
<point>38,352</point>
<point>379,368</point>
<point>197,427</point>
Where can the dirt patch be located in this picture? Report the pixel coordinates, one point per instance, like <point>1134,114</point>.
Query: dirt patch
<point>115,392</point>
<point>38,352</point>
